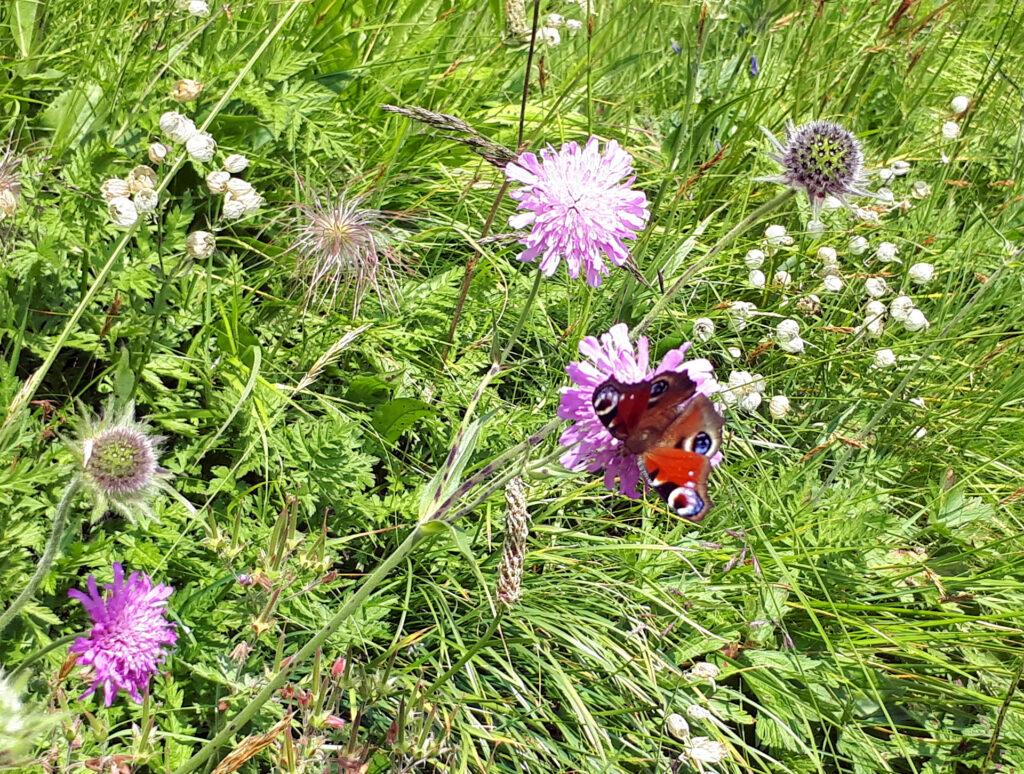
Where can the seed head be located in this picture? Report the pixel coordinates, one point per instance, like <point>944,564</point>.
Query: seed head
<point>340,250</point>
<point>822,159</point>
<point>10,183</point>
<point>517,529</point>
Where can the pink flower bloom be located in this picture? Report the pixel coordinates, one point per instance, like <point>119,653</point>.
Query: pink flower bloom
<point>578,207</point>
<point>129,636</point>
<point>614,355</point>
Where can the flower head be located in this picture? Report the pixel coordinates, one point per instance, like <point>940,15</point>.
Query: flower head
<point>699,750</point>
<point>129,635</point>
<point>822,159</point>
<point>579,205</point>
<point>593,448</point>
<point>10,183</point>
<point>339,247</point>
<point>118,458</point>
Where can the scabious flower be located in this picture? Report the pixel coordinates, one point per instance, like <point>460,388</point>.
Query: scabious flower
<point>118,459</point>
<point>10,183</point>
<point>580,207</point>
<point>822,159</point>
<point>340,248</point>
<point>130,634</point>
<point>592,447</point>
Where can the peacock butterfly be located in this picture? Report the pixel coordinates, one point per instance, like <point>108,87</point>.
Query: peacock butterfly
<point>673,430</point>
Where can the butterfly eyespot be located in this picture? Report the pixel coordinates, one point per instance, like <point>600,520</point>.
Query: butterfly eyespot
<point>658,387</point>
<point>702,443</point>
<point>685,501</point>
<point>606,400</point>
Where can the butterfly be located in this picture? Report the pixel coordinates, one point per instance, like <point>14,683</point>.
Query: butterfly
<point>673,430</point>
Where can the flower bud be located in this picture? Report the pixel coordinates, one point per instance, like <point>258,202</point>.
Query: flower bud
<point>778,406</point>
<point>884,358</point>
<point>916,321</point>
<point>200,245</point>
<point>186,90</point>
<point>921,273</point>
<point>951,130</point>
<point>122,211</point>
<point>177,127</point>
<point>959,104</point>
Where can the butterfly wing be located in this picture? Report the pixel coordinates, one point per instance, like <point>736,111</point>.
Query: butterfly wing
<point>681,479</point>
<point>639,414</point>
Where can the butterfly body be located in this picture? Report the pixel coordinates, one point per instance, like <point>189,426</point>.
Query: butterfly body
<point>673,430</point>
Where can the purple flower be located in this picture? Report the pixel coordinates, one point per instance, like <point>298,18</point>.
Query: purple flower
<point>579,206</point>
<point>614,355</point>
<point>755,68</point>
<point>129,636</point>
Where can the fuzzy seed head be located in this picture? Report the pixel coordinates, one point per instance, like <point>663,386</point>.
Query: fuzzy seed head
<point>10,184</point>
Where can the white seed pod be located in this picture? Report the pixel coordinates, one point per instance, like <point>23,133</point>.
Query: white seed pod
<point>815,227</point>
<point>858,245</point>
<point>234,208</point>
<point>783,277</point>
<point>876,287</point>
<point>886,252</point>
<point>573,25</point>
<point>158,152</point>
<point>951,130</point>
<point>776,236</point>
<point>787,330</point>
<point>875,326</point>
<point>875,309</point>
<point>793,346</point>
<point>828,256</point>
<point>756,278</point>
<point>239,188</point>
<point>740,312</point>
<point>735,353</point>
<point>146,201</point>
<point>916,321</point>
<point>754,259</point>
<point>122,212</point>
<point>549,36</point>
<point>217,181</point>
<point>809,304</point>
<point>697,712</point>
<point>865,215</point>
<point>8,202</point>
<point>919,189</point>
<point>252,202</point>
<point>200,244</point>
<point>199,8</point>
<point>201,147</point>
<point>921,273</point>
<point>779,406</point>
<point>177,127</point>
<point>959,104</point>
<point>141,178</point>
<point>900,167</point>
<point>900,308</point>
<point>186,90</point>
<point>750,402</point>
<point>833,283</point>
<point>703,328</point>
<point>677,726</point>
<point>236,163</point>
<point>884,358</point>
<point>115,188</point>
<point>886,174</point>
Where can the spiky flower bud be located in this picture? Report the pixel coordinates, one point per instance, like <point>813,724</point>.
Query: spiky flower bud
<point>118,460</point>
<point>517,529</point>
<point>822,159</point>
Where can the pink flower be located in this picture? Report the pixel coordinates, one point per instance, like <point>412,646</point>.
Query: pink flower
<point>578,207</point>
<point>614,355</point>
<point>129,636</point>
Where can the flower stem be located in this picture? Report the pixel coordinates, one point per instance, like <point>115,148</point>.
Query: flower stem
<point>60,642</point>
<point>696,266</point>
<point>49,553</point>
<point>464,659</point>
<point>538,277</point>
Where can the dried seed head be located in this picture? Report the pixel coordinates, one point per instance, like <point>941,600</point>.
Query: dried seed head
<point>517,529</point>
<point>10,183</point>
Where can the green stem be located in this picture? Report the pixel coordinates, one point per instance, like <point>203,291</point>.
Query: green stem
<point>56,644</point>
<point>467,655</point>
<point>417,536</point>
<point>538,277</point>
<point>49,553</point>
<point>720,245</point>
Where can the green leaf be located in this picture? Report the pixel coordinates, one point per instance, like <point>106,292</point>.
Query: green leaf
<point>447,479</point>
<point>23,24</point>
<point>398,415</point>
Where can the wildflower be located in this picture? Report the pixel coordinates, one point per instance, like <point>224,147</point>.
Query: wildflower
<point>201,146</point>
<point>884,358</point>
<point>146,201</point>
<point>703,328</point>
<point>874,318</point>
<point>704,670</point>
<point>921,273</point>
<point>141,178</point>
<point>548,36</point>
<point>10,184</point>
<point>740,312</point>
<point>886,252</point>
<point>340,244</point>
<point>876,287</point>
<point>115,188</point>
<point>236,163</point>
<point>833,283</point>
<point>513,552</point>
<point>186,90</point>
<point>122,211</point>
<point>959,104</point>
<point>901,307</point>
<point>756,278</point>
<point>951,130</point>
<point>579,204</point>
<point>754,259</point>
<point>858,245</point>
<point>677,726</point>
<point>809,304</point>
<point>130,633</point>
<point>699,750</point>
<point>822,159</point>
<point>919,189</point>
<point>177,127</point>
<point>776,236</point>
<point>916,321</point>
<point>573,26</point>
<point>743,390</point>
<point>217,181</point>
<point>783,277</point>
<point>778,406</point>
<point>755,68</point>
<point>697,712</point>
<point>900,167</point>
<point>198,8</point>
<point>200,244</point>
<point>118,458</point>
<point>592,447</point>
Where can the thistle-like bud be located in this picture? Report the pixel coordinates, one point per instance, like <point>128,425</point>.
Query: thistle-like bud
<point>517,529</point>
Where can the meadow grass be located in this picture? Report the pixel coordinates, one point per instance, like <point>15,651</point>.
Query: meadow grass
<point>859,584</point>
